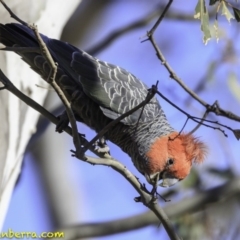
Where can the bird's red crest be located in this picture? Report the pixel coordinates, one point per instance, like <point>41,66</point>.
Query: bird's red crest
<point>183,149</point>
<point>195,149</point>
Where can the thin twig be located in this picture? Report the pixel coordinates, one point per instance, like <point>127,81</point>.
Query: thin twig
<point>218,111</point>
<point>197,119</point>
<point>210,108</point>
<point>12,14</point>
<point>215,108</point>
<point>152,90</point>
<point>155,26</point>
<point>200,123</point>
<point>52,76</point>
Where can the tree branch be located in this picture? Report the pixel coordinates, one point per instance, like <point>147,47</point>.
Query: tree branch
<point>211,108</point>
<point>146,198</point>
<point>195,203</point>
<point>215,108</point>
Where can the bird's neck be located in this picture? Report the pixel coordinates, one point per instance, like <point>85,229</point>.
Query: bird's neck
<point>144,136</point>
<point>147,133</point>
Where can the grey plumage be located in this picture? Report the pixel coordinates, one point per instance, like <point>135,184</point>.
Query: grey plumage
<point>99,92</point>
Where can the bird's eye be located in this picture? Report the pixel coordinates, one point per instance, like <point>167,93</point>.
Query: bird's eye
<point>170,161</point>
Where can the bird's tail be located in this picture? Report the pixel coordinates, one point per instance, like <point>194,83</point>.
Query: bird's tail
<point>18,36</point>
<point>13,33</point>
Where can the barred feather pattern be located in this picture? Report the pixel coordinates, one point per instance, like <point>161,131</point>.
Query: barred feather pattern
<point>135,140</point>
<point>125,92</point>
<point>99,92</point>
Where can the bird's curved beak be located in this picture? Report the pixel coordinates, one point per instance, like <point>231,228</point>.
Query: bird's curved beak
<point>168,180</point>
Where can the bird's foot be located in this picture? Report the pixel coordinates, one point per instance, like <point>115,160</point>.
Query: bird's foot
<point>153,195</point>
<point>143,186</point>
<point>63,122</point>
<point>153,191</point>
<point>101,146</point>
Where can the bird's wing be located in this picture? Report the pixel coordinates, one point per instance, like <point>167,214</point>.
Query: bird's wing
<point>113,88</point>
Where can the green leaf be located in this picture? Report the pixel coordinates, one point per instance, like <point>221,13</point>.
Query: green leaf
<point>226,12</point>
<point>212,2</point>
<point>202,14</point>
<point>236,14</point>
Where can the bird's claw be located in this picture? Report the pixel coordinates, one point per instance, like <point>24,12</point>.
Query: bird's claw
<point>143,186</point>
<point>63,122</point>
<point>138,199</point>
<point>153,191</point>
<point>101,146</point>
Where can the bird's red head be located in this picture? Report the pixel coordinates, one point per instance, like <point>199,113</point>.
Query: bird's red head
<point>171,157</point>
